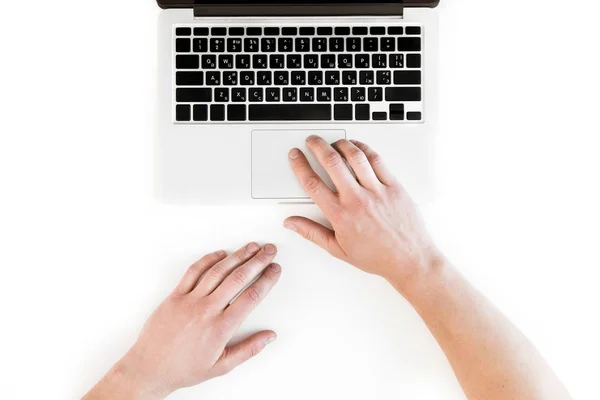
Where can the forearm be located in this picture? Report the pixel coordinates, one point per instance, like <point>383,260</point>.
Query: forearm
<point>490,357</point>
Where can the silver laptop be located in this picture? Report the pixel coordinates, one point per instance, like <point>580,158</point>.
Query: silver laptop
<point>241,83</point>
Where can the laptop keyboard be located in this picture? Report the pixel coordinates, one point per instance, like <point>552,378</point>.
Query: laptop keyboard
<point>302,74</point>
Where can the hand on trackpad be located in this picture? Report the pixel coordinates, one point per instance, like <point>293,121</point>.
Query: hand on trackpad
<point>272,177</point>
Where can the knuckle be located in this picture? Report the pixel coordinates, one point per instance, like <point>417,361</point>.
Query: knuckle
<point>216,272</point>
<point>332,159</point>
<point>253,294</point>
<point>375,158</point>
<point>311,184</point>
<point>357,156</point>
<point>239,277</point>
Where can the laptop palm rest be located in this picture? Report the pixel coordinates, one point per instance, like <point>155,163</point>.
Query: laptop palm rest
<point>272,176</point>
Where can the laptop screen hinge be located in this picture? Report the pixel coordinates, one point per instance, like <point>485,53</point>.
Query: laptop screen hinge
<point>299,10</point>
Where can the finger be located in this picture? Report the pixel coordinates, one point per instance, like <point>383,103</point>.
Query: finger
<point>215,275</point>
<point>316,233</point>
<point>244,275</point>
<point>311,182</point>
<point>383,174</point>
<point>332,162</point>
<point>254,294</point>
<point>193,274</point>
<point>238,354</point>
<point>359,163</point>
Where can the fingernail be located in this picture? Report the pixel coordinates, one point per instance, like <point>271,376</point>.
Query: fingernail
<point>291,227</point>
<point>311,138</point>
<point>275,268</point>
<point>270,249</point>
<point>270,340</point>
<point>295,153</point>
<point>220,253</point>
<point>252,247</point>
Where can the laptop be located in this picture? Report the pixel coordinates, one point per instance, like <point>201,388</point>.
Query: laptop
<point>240,83</point>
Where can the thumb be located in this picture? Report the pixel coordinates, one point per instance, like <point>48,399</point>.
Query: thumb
<point>316,233</point>
<point>238,354</point>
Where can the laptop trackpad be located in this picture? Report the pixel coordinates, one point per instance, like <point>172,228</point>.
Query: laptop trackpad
<point>272,176</point>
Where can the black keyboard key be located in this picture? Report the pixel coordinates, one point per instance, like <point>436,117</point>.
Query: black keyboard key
<point>307,94</point>
<point>200,112</point>
<point>226,61</point>
<point>254,31</point>
<point>290,112</point>
<point>201,31</point>
<point>268,45</point>
<point>407,77</point>
<point>217,112</point>
<point>371,44</point>
<point>273,94</point>
<point>380,116</point>
<point>375,94</point>
<point>302,45</point>
<point>360,30</point>
<point>281,78</point>
<point>259,61</point>
<point>183,45</point>
<point>377,30</point>
<point>311,61</point>
<point>324,94</point>
<point>285,45</point>
<point>366,77</point>
<point>234,45</point>
<point>336,44</point>
<point>413,30</point>
<point>218,31</point>
<point>271,31</point>
<point>349,77</point>
<point>344,61</point>
<point>299,78</point>
<point>183,31</point>
<point>200,45</point>
<point>247,78</point>
<point>307,31</point>
<point>354,44</point>
<point>413,61</point>
<point>217,45</point>
<point>238,95</point>
<point>362,112</point>
<point>289,31</point>
<point>379,61</point>
<point>264,78</point>
<point>332,78</point>
<point>413,116</point>
<point>358,94</point>
<point>193,95</point>
<point>230,78</point>
<point>397,112</point>
<point>290,94</point>
<point>251,45</point>
<point>221,95</point>
<point>189,78</point>
<point>187,62</point>
<point>294,61</point>
<point>388,44</point>
<point>236,31</point>
<point>242,61</point>
<point>315,78</point>
<point>277,61</point>
<point>324,31</point>
<point>209,61</point>
<point>384,77</point>
<point>319,44</point>
<point>362,61</point>
<point>183,112</point>
<point>396,60</point>
<point>409,44</point>
<point>255,95</point>
<point>213,78</point>
<point>341,94</point>
<point>342,112</point>
<point>395,30</point>
<point>342,30</point>
<point>236,112</point>
<point>409,93</point>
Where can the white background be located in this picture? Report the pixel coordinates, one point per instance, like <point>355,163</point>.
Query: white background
<point>86,253</point>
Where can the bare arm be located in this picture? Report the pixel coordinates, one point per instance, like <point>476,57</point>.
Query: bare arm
<point>377,228</point>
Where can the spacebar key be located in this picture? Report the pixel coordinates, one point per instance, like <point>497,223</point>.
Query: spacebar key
<point>289,112</point>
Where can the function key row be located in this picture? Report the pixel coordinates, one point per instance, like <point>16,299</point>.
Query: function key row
<point>303,31</point>
<point>300,45</point>
<point>292,61</point>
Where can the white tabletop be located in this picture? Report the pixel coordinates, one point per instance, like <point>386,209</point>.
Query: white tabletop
<point>86,253</point>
